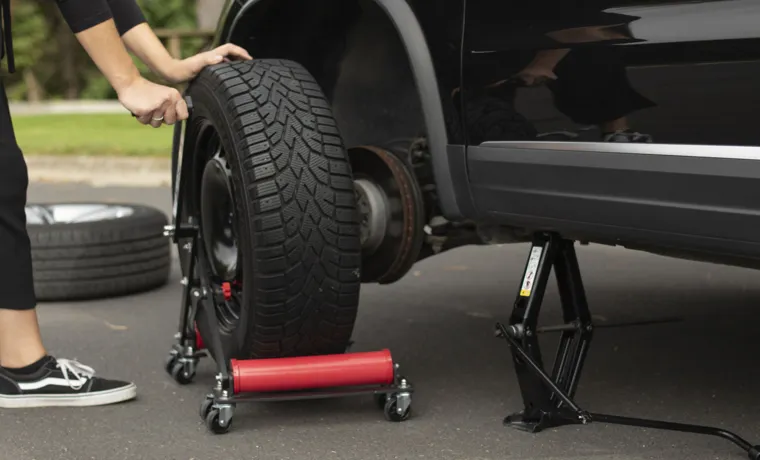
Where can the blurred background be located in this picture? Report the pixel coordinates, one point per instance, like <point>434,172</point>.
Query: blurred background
<point>60,102</point>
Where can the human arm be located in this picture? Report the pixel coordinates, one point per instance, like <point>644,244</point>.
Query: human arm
<point>144,43</point>
<point>140,39</point>
<point>541,68</point>
<point>93,24</point>
<point>151,103</point>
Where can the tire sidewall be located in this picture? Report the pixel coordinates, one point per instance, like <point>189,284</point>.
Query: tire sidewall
<point>99,258</point>
<point>141,214</point>
<point>208,109</point>
<point>301,263</point>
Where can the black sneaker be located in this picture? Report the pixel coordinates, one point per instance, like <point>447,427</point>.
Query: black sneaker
<point>61,383</point>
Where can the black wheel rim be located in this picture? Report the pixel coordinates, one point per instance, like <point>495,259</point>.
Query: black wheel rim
<point>215,207</point>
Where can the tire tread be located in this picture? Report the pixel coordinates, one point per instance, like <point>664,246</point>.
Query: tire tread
<point>304,218</point>
<point>100,259</point>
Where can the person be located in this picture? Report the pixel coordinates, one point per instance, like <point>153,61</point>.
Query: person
<point>107,30</point>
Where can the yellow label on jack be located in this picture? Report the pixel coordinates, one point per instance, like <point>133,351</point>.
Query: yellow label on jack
<point>531,271</point>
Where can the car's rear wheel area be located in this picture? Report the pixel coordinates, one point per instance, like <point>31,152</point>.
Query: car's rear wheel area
<point>272,191</point>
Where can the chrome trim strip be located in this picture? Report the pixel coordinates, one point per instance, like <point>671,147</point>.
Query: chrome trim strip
<point>683,150</point>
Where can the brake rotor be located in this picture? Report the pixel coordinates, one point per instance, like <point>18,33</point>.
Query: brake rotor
<point>392,214</point>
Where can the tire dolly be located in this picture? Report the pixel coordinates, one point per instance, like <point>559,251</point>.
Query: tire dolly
<point>548,400</point>
<point>277,379</point>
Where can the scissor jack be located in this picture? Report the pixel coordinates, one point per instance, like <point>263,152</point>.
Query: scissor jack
<point>548,400</point>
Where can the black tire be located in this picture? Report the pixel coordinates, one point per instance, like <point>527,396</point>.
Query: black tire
<point>295,214</point>
<point>102,258</point>
<point>391,410</point>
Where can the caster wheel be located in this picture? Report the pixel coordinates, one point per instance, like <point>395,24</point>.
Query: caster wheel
<point>178,374</point>
<point>169,363</point>
<point>206,408</point>
<point>380,400</point>
<point>212,423</point>
<point>391,410</point>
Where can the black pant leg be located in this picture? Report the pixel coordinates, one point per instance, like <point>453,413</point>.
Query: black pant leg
<point>16,279</point>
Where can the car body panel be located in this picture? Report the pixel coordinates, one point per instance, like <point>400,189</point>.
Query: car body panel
<point>683,72</point>
<point>633,197</point>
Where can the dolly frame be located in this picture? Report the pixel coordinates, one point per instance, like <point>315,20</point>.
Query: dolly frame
<point>218,406</point>
<point>548,398</point>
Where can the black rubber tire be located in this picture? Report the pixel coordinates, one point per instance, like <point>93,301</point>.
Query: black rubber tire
<point>212,423</point>
<point>390,410</point>
<point>100,259</point>
<point>296,212</point>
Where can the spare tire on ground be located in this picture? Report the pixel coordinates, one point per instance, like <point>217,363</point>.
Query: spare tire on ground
<point>94,250</point>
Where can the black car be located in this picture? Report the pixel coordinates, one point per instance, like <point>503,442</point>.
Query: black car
<point>367,135</point>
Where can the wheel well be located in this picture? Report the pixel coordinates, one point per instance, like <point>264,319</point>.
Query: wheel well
<point>356,55</point>
<point>377,74</point>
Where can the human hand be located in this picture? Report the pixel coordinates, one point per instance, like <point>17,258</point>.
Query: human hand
<point>180,71</point>
<point>153,104</point>
<point>535,75</point>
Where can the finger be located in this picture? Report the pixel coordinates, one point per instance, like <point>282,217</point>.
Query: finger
<point>144,119</point>
<point>181,110</point>
<point>157,118</point>
<point>170,115</point>
<point>140,112</point>
<point>215,59</point>
<point>240,53</point>
<point>141,115</point>
<point>234,51</point>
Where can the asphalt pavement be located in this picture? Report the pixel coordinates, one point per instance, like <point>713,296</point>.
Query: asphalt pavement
<point>438,323</point>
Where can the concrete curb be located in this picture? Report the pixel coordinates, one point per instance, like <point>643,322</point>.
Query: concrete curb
<point>100,171</point>
<point>94,171</point>
<point>66,107</point>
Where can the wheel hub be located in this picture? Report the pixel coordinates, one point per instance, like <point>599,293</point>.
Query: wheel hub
<point>217,220</point>
<point>373,209</point>
<point>392,213</point>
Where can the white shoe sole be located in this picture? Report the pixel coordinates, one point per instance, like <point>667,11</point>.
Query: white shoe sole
<point>96,398</point>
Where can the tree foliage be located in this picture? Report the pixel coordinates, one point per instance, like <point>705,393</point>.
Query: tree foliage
<point>50,62</point>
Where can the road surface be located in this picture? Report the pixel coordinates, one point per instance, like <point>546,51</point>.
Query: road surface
<point>438,324</point>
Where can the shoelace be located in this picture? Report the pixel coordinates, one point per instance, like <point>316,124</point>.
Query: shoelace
<point>77,370</point>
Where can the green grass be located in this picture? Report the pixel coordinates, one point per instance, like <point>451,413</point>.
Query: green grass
<point>91,134</point>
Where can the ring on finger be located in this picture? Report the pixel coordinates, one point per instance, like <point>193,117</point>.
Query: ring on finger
<point>161,118</point>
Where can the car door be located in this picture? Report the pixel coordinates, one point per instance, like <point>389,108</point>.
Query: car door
<point>628,121</point>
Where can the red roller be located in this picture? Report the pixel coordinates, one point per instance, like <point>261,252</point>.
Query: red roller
<point>312,372</point>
